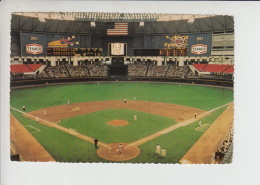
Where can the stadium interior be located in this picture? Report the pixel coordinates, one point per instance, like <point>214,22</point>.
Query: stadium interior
<point>53,47</point>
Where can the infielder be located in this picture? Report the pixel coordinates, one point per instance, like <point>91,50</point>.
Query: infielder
<point>200,123</point>
<point>24,108</point>
<point>135,117</point>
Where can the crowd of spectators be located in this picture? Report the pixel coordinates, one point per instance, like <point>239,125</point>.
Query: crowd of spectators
<point>155,70</point>
<point>54,72</point>
<point>135,69</point>
<point>226,143</point>
<point>74,71</point>
<point>97,69</point>
<point>190,74</point>
<point>177,71</point>
<point>152,70</point>
<point>138,69</point>
<point>78,71</point>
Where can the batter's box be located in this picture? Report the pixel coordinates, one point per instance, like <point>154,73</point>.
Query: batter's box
<point>203,127</point>
<point>32,129</point>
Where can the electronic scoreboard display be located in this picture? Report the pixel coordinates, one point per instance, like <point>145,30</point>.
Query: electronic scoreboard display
<point>74,52</point>
<point>60,52</point>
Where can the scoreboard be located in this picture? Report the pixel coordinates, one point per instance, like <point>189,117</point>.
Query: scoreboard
<point>161,52</point>
<point>60,52</point>
<point>74,52</point>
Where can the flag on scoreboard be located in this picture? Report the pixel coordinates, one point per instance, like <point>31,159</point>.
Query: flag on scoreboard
<point>117,28</point>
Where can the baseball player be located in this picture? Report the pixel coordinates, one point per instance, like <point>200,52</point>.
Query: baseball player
<point>37,118</point>
<point>195,115</point>
<point>158,149</point>
<point>96,142</point>
<point>120,148</point>
<point>134,98</point>
<point>44,112</point>
<point>68,102</point>
<point>125,100</point>
<point>200,123</point>
<point>135,117</point>
<point>24,108</point>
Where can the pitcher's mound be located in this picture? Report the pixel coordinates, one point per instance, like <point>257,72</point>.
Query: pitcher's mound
<point>113,154</point>
<point>118,122</point>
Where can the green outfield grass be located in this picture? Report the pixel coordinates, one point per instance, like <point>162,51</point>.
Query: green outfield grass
<point>67,148</point>
<point>95,125</point>
<point>205,98</point>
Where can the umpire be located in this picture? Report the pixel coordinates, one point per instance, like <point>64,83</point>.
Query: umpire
<point>96,142</point>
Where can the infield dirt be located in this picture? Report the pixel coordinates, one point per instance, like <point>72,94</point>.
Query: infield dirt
<point>118,122</point>
<point>56,113</point>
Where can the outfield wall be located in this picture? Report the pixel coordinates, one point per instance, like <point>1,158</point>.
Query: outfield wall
<point>212,82</point>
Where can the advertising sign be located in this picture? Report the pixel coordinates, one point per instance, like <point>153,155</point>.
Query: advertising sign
<point>34,49</point>
<point>176,41</point>
<point>59,41</point>
<point>33,44</point>
<point>199,45</point>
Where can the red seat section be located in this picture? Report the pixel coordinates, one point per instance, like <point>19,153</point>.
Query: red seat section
<point>214,68</point>
<point>200,67</point>
<point>34,67</point>
<point>23,68</point>
<point>229,70</point>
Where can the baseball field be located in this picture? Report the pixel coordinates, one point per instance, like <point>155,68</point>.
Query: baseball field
<point>65,119</point>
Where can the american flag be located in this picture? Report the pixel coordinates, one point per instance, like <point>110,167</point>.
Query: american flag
<point>117,29</point>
